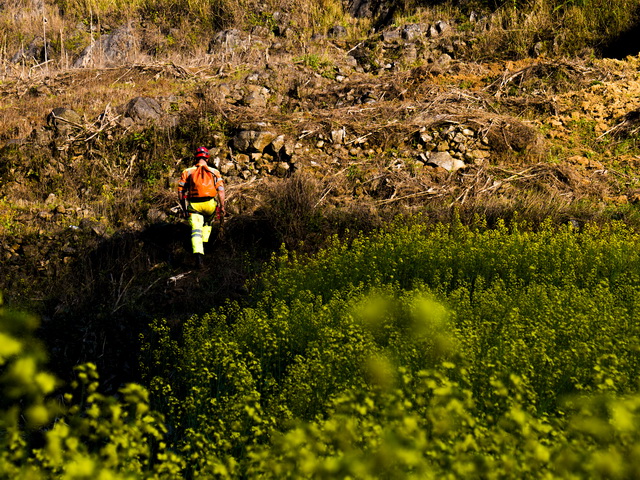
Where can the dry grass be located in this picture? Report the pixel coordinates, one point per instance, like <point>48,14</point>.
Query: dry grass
<point>174,30</point>
<point>291,208</point>
<point>405,101</point>
<point>27,100</point>
<point>178,24</point>
<point>552,28</point>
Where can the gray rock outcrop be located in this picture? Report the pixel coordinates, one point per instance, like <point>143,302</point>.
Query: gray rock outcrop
<point>446,161</point>
<point>36,52</point>
<point>62,121</point>
<point>227,40</point>
<point>112,49</point>
<point>143,110</point>
<point>253,140</point>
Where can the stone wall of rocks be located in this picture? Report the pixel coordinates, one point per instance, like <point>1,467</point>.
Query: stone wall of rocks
<point>258,151</point>
<point>453,147</point>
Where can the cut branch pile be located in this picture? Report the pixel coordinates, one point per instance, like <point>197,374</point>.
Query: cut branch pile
<point>544,77</point>
<point>87,133</point>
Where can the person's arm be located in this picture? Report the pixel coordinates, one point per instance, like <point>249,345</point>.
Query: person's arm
<point>182,193</point>
<point>221,199</point>
<point>182,198</point>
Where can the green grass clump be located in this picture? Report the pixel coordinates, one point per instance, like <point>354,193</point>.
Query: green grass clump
<point>86,435</point>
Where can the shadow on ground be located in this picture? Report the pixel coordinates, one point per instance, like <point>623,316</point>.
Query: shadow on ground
<point>116,290</point>
<point>626,44</point>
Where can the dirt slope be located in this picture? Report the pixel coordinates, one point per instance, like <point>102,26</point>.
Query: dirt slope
<point>88,232</point>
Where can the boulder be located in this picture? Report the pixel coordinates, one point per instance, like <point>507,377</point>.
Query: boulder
<point>282,24</point>
<point>338,136</point>
<point>351,61</point>
<point>278,143</point>
<point>143,110</point>
<point>35,52</point>
<point>362,8</point>
<point>392,35</point>
<point>226,40</point>
<point>97,228</point>
<point>411,32</point>
<point>409,53</point>
<point>253,141</point>
<point>51,199</point>
<point>281,148</point>
<point>260,31</point>
<point>437,29</point>
<point>256,96</point>
<point>63,121</point>
<point>242,160</point>
<point>282,169</point>
<point>228,168</point>
<point>381,11</point>
<point>441,65</point>
<point>442,27</point>
<point>445,160</point>
<point>115,48</point>
<point>337,31</point>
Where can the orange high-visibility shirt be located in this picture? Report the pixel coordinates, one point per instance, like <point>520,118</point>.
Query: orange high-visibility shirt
<point>187,188</point>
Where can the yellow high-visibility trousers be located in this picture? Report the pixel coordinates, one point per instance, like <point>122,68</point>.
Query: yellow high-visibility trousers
<point>201,216</point>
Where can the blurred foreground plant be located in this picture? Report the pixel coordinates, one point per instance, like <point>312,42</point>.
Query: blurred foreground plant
<point>45,433</point>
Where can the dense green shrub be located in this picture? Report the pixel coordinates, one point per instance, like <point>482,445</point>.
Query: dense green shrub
<point>51,432</point>
<point>422,352</point>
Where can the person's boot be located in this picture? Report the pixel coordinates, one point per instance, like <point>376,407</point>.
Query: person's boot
<point>199,260</point>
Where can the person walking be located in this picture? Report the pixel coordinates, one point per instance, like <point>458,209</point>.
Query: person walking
<point>201,196</point>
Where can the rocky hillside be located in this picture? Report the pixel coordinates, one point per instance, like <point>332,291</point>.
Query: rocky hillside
<point>326,135</point>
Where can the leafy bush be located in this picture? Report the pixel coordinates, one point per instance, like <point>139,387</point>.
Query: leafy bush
<point>47,433</point>
<point>416,352</point>
<point>420,352</point>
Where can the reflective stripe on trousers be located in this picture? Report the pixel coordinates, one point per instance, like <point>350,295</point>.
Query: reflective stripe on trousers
<point>201,216</point>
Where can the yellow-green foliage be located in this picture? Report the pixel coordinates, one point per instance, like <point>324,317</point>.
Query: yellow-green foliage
<point>25,385</point>
<point>422,352</point>
<point>89,435</point>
